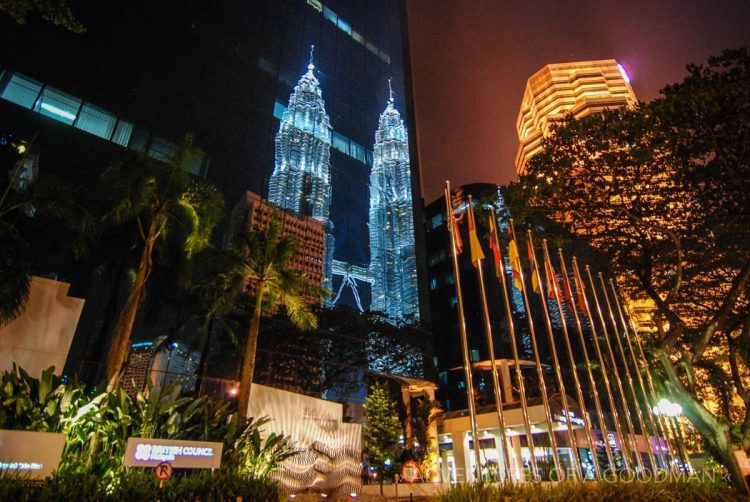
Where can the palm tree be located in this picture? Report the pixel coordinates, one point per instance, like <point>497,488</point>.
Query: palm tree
<point>15,265</point>
<point>163,200</point>
<point>266,267</point>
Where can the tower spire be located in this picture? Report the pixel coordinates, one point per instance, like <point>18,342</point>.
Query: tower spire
<point>310,65</point>
<point>390,90</point>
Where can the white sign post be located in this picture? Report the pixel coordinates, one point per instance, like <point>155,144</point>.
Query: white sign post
<point>30,455</point>
<point>150,452</point>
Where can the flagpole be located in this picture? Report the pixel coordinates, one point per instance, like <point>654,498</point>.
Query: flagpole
<point>550,273</point>
<point>556,362</point>
<point>649,412</point>
<point>629,377</point>
<point>514,346</point>
<point>473,240</point>
<point>590,373</point>
<point>537,360</point>
<point>624,449</point>
<point>462,331</point>
<point>652,388</point>
<point>618,380</point>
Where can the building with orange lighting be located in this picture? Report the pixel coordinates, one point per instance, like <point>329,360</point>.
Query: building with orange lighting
<point>256,212</point>
<point>558,90</point>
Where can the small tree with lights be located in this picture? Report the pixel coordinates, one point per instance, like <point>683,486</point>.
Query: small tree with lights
<point>382,431</point>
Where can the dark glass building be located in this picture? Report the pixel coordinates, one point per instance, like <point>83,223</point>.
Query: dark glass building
<point>146,74</point>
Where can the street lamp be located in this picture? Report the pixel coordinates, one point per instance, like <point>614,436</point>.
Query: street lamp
<point>672,411</point>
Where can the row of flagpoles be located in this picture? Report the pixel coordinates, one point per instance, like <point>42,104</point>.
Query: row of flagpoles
<point>653,426</point>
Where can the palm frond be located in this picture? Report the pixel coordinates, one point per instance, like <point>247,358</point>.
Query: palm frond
<point>15,273</point>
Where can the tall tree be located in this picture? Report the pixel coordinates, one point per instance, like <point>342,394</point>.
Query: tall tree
<point>382,430</point>
<point>266,267</point>
<point>164,201</point>
<point>663,191</point>
<point>55,11</point>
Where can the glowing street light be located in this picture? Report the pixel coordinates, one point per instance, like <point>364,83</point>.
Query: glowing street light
<point>668,408</point>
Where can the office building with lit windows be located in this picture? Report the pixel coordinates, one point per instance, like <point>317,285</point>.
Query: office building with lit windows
<point>575,89</point>
<point>235,77</point>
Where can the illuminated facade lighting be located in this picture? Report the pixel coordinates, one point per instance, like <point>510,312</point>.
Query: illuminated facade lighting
<point>393,262</point>
<point>301,177</point>
<point>576,89</point>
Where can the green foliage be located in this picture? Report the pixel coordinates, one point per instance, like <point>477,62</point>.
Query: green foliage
<point>382,430</point>
<point>54,11</point>
<point>220,485</point>
<point>663,191</point>
<point>636,491</point>
<point>97,427</point>
<point>247,453</point>
<point>266,265</point>
<point>15,273</point>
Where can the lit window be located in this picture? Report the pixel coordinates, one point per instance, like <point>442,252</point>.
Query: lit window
<point>474,355</point>
<point>22,90</point>
<point>358,152</point>
<point>161,149</point>
<point>330,15</point>
<point>434,283</point>
<point>122,133</point>
<point>278,109</point>
<point>340,143</point>
<point>58,105</point>
<point>344,26</point>
<point>96,121</point>
<point>437,220</point>
<point>461,384</point>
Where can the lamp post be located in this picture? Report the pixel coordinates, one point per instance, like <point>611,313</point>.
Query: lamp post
<point>673,410</point>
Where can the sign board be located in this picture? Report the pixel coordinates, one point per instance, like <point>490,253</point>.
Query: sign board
<point>410,472</point>
<point>150,452</point>
<point>163,471</point>
<point>31,455</point>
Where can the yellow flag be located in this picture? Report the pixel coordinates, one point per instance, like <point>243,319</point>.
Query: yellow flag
<point>475,248</point>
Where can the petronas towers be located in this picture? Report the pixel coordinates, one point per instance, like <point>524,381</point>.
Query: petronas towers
<point>301,177</point>
<point>301,183</point>
<point>393,262</point>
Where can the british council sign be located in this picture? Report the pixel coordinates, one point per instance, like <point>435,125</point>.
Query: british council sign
<point>150,452</point>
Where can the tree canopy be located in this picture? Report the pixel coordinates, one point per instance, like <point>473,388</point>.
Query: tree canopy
<point>663,190</point>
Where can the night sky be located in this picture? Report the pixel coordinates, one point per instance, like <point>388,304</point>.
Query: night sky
<point>471,60</point>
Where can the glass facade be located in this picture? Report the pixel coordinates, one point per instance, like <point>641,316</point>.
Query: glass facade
<point>145,75</point>
<point>358,48</point>
<point>70,110</point>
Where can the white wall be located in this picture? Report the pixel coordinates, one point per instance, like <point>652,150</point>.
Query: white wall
<point>40,337</point>
<point>331,449</point>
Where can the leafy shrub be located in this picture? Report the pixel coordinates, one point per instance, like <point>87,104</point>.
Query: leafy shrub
<point>97,427</point>
<point>568,492</point>
<point>140,485</point>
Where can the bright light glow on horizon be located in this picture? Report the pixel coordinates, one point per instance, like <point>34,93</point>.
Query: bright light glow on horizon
<point>624,73</point>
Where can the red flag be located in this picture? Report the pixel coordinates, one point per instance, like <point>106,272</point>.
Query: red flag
<point>515,263</point>
<point>475,248</point>
<point>534,274</point>
<point>580,288</point>
<point>567,292</point>
<point>457,234</point>
<point>495,247</point>
<point>553,288</point>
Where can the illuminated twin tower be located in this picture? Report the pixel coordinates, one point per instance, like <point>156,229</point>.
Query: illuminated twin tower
<point>301,183</point>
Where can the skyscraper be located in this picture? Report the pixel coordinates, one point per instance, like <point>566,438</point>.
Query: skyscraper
<point>232,75</point>
<point>577,89</point>
<point>301,179</point>
<point>393,262</point>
